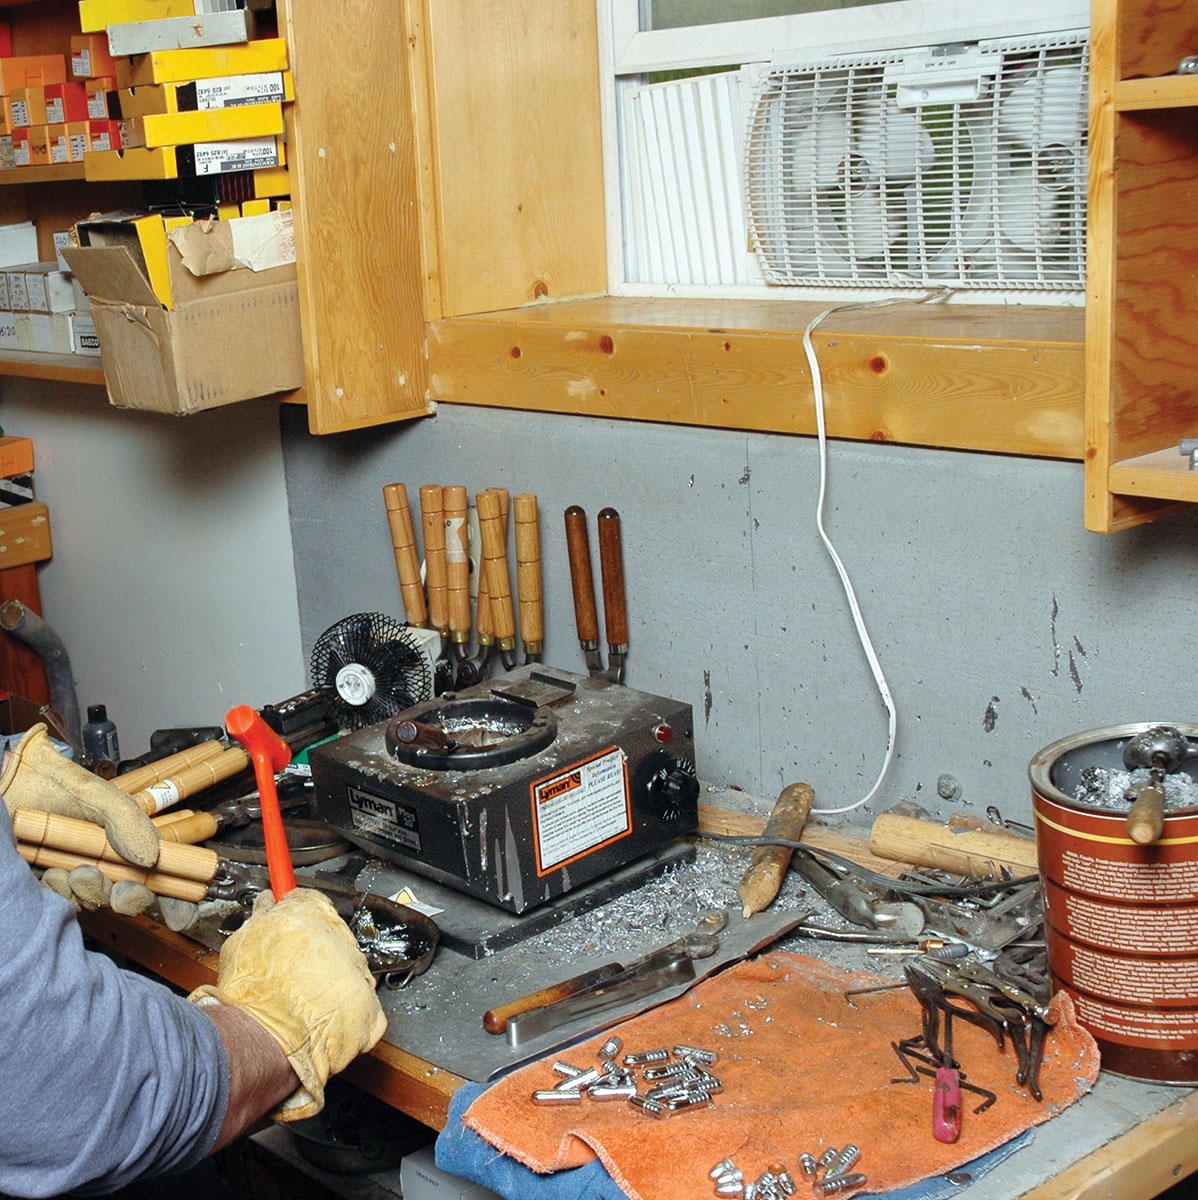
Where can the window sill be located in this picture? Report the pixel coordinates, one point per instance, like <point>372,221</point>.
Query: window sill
<point>1004,379</point>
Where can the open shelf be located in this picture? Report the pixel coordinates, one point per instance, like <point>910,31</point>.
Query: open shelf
<point>1161,475</point>
<point>67,368</point>
<point>1168,91</point>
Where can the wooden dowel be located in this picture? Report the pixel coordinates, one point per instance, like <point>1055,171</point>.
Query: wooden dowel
<point>168,792</point>
<point>966,852</point>
<point>1146,817</point>
<point>55,832</point>
<point>143,777</point>
<point>195,827</point>
<point>161,820</point>
<point>499,587</point>
<point>457,562</point>
<point>158,882</point>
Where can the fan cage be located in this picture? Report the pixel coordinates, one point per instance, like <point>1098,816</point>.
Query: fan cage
<point>846,188</point>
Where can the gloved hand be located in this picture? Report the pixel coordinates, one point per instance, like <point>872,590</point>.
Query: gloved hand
<point>296,969</point>
<point>35,775</point>
<point>88,888</point>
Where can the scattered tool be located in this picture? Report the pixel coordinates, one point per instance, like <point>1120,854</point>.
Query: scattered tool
<point>861,901</point>
<point>768,866</point>
<point>269,754</point>
<point>582,581</point>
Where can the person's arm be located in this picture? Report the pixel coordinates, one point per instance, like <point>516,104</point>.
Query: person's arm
<point>260,1077</point>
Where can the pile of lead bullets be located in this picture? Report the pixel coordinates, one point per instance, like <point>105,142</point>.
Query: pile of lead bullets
<point>669,1082</point>
<point>829,1175</point>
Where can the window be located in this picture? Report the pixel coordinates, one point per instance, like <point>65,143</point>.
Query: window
<point>808,145</point>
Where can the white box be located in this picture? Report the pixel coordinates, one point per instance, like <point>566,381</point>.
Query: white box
<point>84,338</point>
<point>8,331</point>
<point>180,33</point>
<point>60,333</point>
<point>18,293</point>
<point>33,332</point>
<point>421,1179</point>
<point>18,244</point>
<point>49,289</point>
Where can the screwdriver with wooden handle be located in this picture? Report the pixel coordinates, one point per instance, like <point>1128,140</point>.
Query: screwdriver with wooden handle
<point>768,866</point>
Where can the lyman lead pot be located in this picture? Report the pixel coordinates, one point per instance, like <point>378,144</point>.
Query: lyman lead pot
<point>1120,917</point>
<point>519,789</point>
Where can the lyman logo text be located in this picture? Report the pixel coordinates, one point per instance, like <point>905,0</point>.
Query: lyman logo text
<point>366,804</point>
<point>566,783</point>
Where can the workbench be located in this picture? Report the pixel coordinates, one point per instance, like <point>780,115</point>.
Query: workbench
<point>1124,1139</point>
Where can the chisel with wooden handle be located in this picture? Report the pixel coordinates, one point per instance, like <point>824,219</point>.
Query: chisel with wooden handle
<point>582,583</point>
<point>432,520</point>
<point>964,851</point>
<point>615,610</point>
<point>493,531</point>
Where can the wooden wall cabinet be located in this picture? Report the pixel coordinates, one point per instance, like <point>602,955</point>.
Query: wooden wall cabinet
<point>1142,262</point>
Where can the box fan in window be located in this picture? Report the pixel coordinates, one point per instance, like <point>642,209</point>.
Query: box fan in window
<point>956,165</point>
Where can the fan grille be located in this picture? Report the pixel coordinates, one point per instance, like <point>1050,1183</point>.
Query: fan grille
<point>850,183</point>
<point>371,668</point>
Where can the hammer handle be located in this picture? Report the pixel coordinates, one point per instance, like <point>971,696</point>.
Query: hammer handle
<point>586,616</point>
<point>158,882</point>
<point>432,520</point>
<point>457,561</point>
<point>407,561</point>
<point>499,588</point>
<point>54,832</point>
<point>528,569</point>
<point>143,777</point>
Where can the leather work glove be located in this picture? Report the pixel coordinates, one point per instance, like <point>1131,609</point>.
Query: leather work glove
<point>88,888</point>
<point>36,776</point>
<point>296,969</point>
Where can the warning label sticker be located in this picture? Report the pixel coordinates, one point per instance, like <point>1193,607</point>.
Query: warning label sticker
<point>577,810</point>
<point>384,818</point>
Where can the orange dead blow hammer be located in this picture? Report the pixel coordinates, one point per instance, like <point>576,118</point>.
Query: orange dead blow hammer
<point>269,754</point>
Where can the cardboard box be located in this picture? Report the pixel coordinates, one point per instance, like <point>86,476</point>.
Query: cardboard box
<point>31,70</point>
<point>84,338</point>
<point>230,336</point>
<point>60,147</point>
<point>65,102</point>
<point>18,244</point>
<point>34,332</point>
<point>20,148</point>
<point>100,99</point>
<point>16,456</point>
<point>137,163</point>
<point>178,66</point>
<point>49,288</point>
<point>239,154</point>
<point>18,294</point>
<point>210,125</point>
<point>421,1179</point>
<point>95,15</point>
<point>40,150</point>
<point>89,56</point>
<point>25,534</point>
<point>8,331</point>
<point>221,28</point>
<point>28,106</point>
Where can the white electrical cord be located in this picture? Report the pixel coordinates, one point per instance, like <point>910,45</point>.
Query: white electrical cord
<point>858,620</point>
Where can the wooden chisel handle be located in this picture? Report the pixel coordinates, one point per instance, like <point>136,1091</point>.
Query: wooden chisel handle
<point>965,852</point>
<point>582,581</point>
<point>188,830</point>
<point>495,1019</point>
<point>457,562</point>
<point>161,884</point>
<point>528,572</point>
<point>168,792</point>
<point>432,520</point>
<point>611,569</point>
<point>407,561</point>
<point>769,864</point>
<point>1146,817</point>
<point>143,777</point>
<point>36,828</point>
<point>499,588</point>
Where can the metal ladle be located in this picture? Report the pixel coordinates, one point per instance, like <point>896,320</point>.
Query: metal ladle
<point>1162,750</point>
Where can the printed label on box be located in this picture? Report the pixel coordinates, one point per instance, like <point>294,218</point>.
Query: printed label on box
<point>77,145</point>
<point>236,90</point>
<point>83,335</point>
<point>18,294</point>
<point>55,111</point>
<point>60,150</point>
<point>97,106</point>
<point>20,112</point>
<point>246,154</point>
<point>102,141</point>
<point>4,304</point>
<point>8,331</point>
<point>35,292</point>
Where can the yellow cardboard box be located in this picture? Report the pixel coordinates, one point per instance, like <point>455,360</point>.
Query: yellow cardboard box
<point>177,66</point>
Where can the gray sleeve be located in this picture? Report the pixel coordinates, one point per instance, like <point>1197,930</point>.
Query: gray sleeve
<point>107,1076</point>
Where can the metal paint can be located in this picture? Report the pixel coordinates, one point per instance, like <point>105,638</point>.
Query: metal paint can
<point>1120,919</point>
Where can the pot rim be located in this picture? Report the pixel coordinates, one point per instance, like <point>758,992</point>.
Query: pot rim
<point>1040,768</point>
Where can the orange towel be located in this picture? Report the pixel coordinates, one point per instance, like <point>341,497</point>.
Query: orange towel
<point>802,1070</point>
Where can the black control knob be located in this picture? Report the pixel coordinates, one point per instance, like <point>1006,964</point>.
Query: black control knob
<point>674,787</point>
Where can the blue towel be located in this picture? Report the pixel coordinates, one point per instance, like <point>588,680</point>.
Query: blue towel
<point>462,1152</point>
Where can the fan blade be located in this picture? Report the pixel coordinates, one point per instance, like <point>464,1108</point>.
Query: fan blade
<point>868,225</point>
<point>892,141</point>
<point>1045,109</point>
<point>816,152</point>
<point>1031,217</point>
